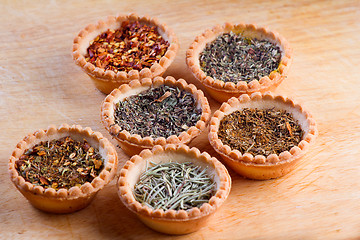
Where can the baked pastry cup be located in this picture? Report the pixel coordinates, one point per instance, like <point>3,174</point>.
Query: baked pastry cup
<point>222,91</point>
<point>134,143</point>
<point>173,221</point>
<point>263,167</point>
<point>64,200</point>
<point>107,80</point>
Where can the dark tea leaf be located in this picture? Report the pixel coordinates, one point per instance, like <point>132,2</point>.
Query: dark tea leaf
<point>158,112</point>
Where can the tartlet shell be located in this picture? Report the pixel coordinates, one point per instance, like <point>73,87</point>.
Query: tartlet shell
<point>107,80</point>
<point>134,143</point>
<point>171,221</point>
<point>263,167</point>
<point>64,200</point>
<point>222,91</point>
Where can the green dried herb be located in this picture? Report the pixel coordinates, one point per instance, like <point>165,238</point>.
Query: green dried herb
<point>260,131</point>
<point>158,112</point>
<point>173,185</point>
<point>61,163</point>
<point>233,58</point>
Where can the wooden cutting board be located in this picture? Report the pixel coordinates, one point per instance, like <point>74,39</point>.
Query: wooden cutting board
<point>40,85</point>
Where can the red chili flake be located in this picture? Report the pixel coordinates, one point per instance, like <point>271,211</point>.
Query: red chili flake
<point>44,181</point>
<point>41,153</point>
<point>132,46</point>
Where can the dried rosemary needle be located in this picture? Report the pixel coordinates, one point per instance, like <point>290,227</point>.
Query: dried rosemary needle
<point>173,185</point>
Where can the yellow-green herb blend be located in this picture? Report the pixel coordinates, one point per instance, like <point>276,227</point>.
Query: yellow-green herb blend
<point>173,185</point>
<point>260,131</point>
<point>233,58</point>
<point>60,163</point>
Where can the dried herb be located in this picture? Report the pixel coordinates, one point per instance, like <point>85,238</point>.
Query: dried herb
<point>61,163</point>
<point>260,131</point>
<point>158,112</point>
<point>173,185</point>
<point>233,58</point>
<point>132,46</point>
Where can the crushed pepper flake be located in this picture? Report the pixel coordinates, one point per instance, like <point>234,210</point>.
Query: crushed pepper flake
<point>133,46</point>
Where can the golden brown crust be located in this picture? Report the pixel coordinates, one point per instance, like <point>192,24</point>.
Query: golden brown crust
<point>107,80</point>
<point>134,143</point>
<point>222,91</point>
<point>171,221</point>
<point>260,166</point>
<point>63,200</point>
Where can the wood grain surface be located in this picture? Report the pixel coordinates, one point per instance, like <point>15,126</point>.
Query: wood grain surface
<point>40,85</point>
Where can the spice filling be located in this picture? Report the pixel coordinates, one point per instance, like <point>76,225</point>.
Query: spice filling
<point>133,46</point>
<point>61,163</point>
<point>233,58</point>
<point>173,185</point>
<point>260,131</point>
<point>158,112</point>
